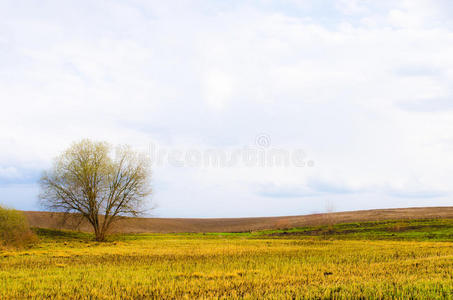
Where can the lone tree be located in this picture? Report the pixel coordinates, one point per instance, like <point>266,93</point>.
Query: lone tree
<point>99,184</point>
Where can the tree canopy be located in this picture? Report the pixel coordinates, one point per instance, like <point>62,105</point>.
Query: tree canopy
<point>98,183</point>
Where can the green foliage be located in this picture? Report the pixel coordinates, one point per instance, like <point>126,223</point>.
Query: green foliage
<point>14,229</point>
<point>417,230</point>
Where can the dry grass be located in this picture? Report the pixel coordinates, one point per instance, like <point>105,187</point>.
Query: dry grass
<point>400,259</point>
<point>210,266</point>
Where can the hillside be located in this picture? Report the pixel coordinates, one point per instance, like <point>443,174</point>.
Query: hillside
<point>176,225</point>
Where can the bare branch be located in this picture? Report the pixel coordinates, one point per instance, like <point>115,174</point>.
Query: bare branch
<point>87,180</point>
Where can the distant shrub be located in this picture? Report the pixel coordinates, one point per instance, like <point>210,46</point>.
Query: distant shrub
<point>14,229</point>
<point>397,227</point>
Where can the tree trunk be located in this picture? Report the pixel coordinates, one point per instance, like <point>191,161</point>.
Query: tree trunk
<point>100,237</point>
<point>99,234</point>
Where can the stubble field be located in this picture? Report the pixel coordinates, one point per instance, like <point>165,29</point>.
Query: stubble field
<point>398,259</point>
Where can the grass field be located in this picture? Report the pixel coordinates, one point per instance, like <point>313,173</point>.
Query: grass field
<point>51,220</point>
<point>387,259</point>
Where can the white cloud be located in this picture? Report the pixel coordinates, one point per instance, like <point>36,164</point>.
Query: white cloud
<point>9,173</point>
<point>356,85</point>
<point>217,88</point>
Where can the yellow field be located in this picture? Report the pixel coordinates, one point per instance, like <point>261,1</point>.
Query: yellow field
<point>199,266</point>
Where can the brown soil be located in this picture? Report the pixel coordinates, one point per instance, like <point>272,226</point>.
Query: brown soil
<point>171,225</point>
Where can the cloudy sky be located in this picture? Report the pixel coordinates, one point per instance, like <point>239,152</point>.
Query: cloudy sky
<point>363,89</point>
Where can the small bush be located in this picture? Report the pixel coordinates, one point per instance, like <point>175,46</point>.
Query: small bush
<point>14,229</point>
<point>397,227</point>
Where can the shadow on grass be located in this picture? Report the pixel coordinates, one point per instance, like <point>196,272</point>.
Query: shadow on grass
<point>63,235</point>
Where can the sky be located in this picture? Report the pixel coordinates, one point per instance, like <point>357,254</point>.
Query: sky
<point>246,108</point>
